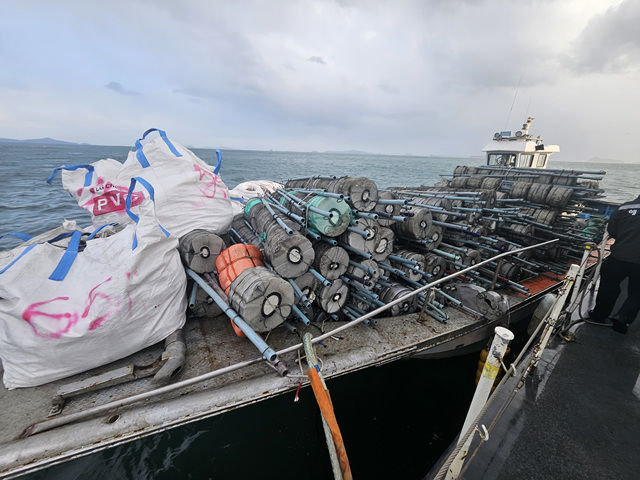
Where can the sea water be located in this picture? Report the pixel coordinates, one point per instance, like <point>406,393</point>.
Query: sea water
<point>396,419</point>
<point>30,205</point>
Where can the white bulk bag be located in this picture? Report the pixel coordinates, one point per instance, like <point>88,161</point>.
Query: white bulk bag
<point>189,193</point>
<point>95,187</point>
<point>63,312</point>
<point>247,190</point>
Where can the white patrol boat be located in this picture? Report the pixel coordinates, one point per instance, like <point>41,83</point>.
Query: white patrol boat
<point>520,150</point>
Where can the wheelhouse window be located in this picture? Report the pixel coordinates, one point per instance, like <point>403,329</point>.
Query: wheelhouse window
<point>526,159</point>
<point>502,159</point>
<point>542,159</point>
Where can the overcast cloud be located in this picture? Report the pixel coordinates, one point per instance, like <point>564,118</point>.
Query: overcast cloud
<point>421,77</point>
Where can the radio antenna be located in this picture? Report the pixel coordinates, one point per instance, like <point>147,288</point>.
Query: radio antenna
<point>515,95</point>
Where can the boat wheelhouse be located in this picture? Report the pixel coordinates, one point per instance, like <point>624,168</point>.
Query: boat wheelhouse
<point>520,150</point>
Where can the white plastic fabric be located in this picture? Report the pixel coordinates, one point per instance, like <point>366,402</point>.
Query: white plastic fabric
<point>247,190</point>
<point>189,193</point>
<point>103,196</point>
<point>112,301</point>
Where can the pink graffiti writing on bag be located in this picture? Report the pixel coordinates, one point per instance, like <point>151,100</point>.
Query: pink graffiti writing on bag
<point>105,197</point>
<point>55,325</point>
<point>209,182</point>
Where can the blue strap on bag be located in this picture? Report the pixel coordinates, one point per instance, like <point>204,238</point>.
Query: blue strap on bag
<point>65,263</point>
<point>60,237</point>
<point>219,162</point>
<point>22,236</point>
<point>87,178</point>
<point>24,252</point>
<point>69,256</point>
<point>132,215</point>
<point>140,154</point>
<point>98,230</point>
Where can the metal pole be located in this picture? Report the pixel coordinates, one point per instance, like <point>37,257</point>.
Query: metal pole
<point>583,265</point>
<point>490,371</point>
<point>192,297</point>
<point>603,246</point>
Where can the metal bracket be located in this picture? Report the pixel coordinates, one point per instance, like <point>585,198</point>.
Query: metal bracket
<point>509,371</point>
<point>430,295</point>
<point>109,378</point>
<point>484,433</point>
<point>161,367</point>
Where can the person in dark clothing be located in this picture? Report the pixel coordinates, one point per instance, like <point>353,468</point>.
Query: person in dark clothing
<point>622,263</point>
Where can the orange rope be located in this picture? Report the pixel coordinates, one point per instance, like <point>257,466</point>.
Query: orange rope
<point>326,408</point>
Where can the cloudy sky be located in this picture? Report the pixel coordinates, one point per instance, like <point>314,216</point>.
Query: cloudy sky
<point>422,77</point>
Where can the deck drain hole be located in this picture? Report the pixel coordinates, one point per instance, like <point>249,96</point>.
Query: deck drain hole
<point>113,418</point>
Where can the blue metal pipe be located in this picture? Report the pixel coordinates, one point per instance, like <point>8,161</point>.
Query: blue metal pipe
<point>192,297</point>
<point>324,213</point>
<point>448,297</point>
<point>330,241</point>
<point>421,272</point>
<point>293,198</point>
<point>441,312</point>
<point>324,177</point>
<point>349,277</point>
<point>359,311</point>
<point>385,201</point>
<point>406,261</point>
<point>366,255</point>
<point>237,235</point>
<point>300,315</point>
<point>488,239</point>
<point>437,209</point>
<point>448,255</point>
<point>453,247</point>
<point>287,212</point>
<point>323,193</point>
<point>290,327</point>
<point>372,216</point>
<point>320,277</point>
<point>396,218</point>
<point>361,289</point>
<point>266,351</point>
<point>374,302</point>
<point>314,235</point>
<point>275,216</point>
<point>348,313</point>
<point>299,293</point>
<point>358,231</point>
<point>372,271</point>
<point>451,225</point>
<point>425,241</point>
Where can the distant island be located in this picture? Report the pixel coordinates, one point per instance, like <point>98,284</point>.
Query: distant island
<point>40,141</point>
<point>348,152</point>
<point>606,160</point>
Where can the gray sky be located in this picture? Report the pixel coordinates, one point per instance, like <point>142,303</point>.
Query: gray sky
<point>421,77</point>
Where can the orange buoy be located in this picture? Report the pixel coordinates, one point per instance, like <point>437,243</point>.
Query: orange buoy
<point>235,260</point>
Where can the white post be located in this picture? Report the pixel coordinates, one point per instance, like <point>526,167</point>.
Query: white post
<point>483,390</point>
<point>602,249</point>
<point>583,266</point>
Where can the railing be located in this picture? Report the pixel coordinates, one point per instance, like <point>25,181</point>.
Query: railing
<point>555,319</point>
<point>49,424</point>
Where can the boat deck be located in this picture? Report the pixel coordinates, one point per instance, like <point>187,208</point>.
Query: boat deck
<point>577,417</point>
<point>211,345</point>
